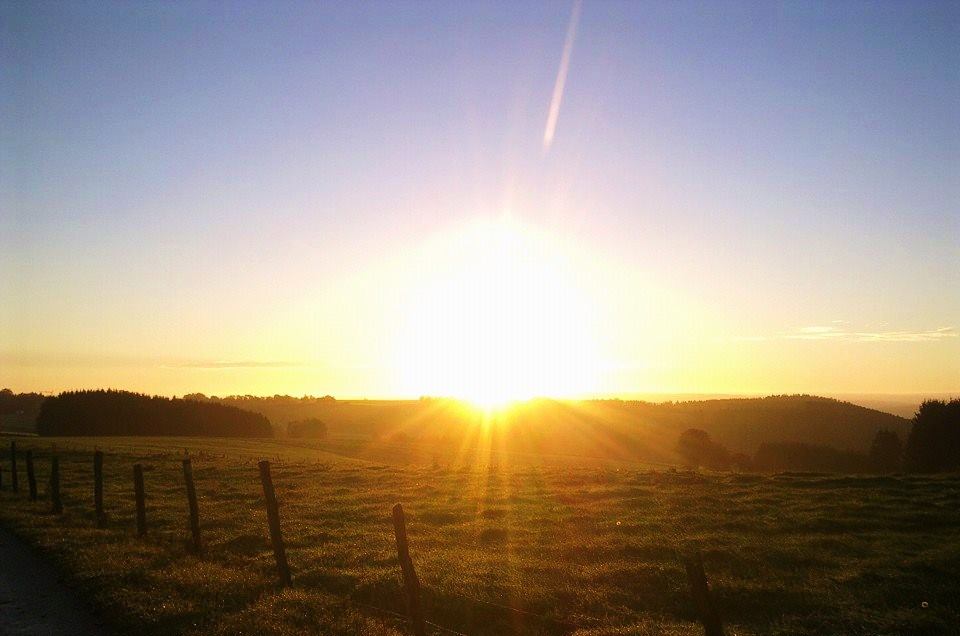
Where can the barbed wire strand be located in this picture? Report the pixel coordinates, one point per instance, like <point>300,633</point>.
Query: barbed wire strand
<point>404,617</point>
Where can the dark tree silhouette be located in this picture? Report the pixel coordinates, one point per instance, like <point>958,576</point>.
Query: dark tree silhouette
<point>124,413</point>
<point>18,411</point>
<point>934,441</point>
<point>697,449</point>
<point>886,452</point>
<point>278,408</point>
<point>308,428</point>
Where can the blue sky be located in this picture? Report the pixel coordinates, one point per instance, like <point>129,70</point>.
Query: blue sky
<point>206,181</point>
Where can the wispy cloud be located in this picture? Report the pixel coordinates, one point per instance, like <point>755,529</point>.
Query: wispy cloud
<point>908,336</point>
<point>838,331</point>
<point>229,364</point>
<point>818,330</point>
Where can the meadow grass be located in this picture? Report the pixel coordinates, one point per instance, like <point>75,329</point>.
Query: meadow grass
<point>541,549</point>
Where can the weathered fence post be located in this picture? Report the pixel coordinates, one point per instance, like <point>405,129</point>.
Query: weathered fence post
<point>273,518</point>
<point>56,506</point>
<point>700,592</point>
<point>98,489</point>
<point>141,504</point>
<point>192,502</point>
<point>13,467</point>
<point>411,583</point>
<point>31,477</point>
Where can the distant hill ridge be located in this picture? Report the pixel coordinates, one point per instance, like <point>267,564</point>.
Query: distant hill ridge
<point>632,426</point>
<point>622,429</point>
<point>744,423</point>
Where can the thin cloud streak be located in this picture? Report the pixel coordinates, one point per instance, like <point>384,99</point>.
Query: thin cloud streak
<point>558,86</point>
<point>242,364</point>
<point>823,332</point>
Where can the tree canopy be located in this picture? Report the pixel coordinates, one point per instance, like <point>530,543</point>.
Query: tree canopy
<point>934,441</point>
<point>697,449</point>
<point>108,412</point>
<point>886,452</point>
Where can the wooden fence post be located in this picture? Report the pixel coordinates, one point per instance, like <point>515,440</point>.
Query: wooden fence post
<point>410,581</point>
<point>273,518</point>
<point>194,510</point>
<point>98,489</point>
<point>700,592</point>
<point>14,484</point>
<point>31,477</point>
<point>141,504</point>
<point>56,506</point>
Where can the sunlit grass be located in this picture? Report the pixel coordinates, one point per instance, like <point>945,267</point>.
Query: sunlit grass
<point>592,550</point>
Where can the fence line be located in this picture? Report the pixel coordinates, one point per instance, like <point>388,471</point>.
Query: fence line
<point>98,489</point>
<point>700,591</point>
<point>405,618</point>
<point>192,506</point>
<point>273,520</point>
<point>140,496</point>
<point>31,476</point>
<point>56,505</point>
<point>13,467</point>
<point>411,583</point>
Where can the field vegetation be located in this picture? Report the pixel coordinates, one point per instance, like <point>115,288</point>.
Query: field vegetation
<point>631,428</point>
<point>775,433</point>
<point>502,545</point>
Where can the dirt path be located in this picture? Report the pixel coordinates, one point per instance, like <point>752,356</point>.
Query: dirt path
<point>33,599</point>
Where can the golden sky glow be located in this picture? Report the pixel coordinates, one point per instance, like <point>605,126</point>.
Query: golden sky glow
<point>492,308</point>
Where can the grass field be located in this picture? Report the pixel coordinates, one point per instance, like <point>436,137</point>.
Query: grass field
<point>593,550</point>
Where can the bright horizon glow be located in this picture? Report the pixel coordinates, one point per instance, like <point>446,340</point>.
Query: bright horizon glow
<point>497,319</point>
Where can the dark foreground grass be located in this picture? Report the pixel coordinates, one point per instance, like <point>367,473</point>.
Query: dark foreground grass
<point>592,551</point>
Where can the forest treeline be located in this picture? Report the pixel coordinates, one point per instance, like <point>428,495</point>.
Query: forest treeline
<point>109,412</point>
<point>777,433</point>
<point>18,411</point>
<point>279,409</point>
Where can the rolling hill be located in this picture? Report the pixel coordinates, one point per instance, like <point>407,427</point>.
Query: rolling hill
<point>612,429</point>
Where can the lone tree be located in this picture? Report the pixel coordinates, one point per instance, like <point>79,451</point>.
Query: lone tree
<point>697,449</point>
<point>886,452</point>
<point>934,441</point>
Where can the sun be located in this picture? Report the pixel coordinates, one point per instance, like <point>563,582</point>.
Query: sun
<point>497,317</point>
